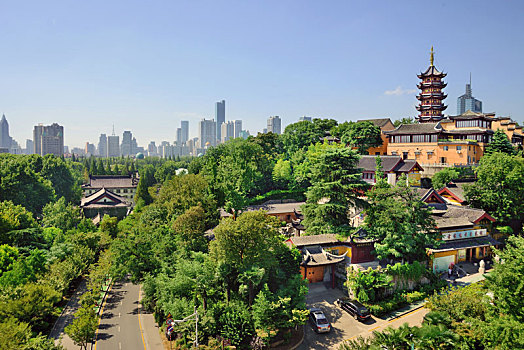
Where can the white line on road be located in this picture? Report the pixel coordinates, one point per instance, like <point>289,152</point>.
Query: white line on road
<point>119,314</point>
<point>119,328</point>
<point>120,345</point>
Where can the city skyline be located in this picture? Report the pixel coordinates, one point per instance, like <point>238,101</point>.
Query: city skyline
<point>347,61</point>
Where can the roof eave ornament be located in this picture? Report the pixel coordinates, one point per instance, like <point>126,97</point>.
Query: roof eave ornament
<point>431,57</point>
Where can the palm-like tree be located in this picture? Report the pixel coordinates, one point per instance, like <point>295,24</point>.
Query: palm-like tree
<point>433,337</point>
<point>394,338</point>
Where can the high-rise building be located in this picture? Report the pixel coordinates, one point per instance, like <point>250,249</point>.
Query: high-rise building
<point>467,102</point>
<point>48,139</point>
<point>304,119</point>
<point>227,131</point>
<point>152,149</point>
<point>207,133</point>
<point>220,117</point>
<point>274,125</point>
<point>178,138</point>
<point>238,128</point>
<point>431,96</point>
<point>5,139</point>
<point>29,146</point>
<point>89,149</point>
<point>113,146</point>
<point>102,145</point>
<point>134,146</point>
<point>125,148</point>
<point>184,125</point>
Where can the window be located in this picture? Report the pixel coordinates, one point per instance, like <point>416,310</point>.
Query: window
<point>459,148</point>
<point>446,148</point>
<point>405,155</point>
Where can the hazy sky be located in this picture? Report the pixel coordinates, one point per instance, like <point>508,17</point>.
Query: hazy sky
<point>146,65</point>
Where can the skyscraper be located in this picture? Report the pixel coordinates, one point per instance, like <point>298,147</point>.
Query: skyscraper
<point>29,146</point>
<point>220,117</point>
<point>207,133</point>
<point>178,136</point>
<point>238,128</point>
<point>467,102</point>
<point>5,139</point>
<point>184,125</point>
<point>274,125</point>
<point>102,145</point>
<point>48,139</point>
<point>113,146</point>
<point>227,131</point>
<point>304,119</point>
<point>125,148</point>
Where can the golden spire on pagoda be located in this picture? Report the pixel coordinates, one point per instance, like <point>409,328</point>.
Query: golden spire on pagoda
<point>431,57</point>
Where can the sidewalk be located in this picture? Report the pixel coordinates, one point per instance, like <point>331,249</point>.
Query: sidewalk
<point>66,318</point>
<point>150,329</point>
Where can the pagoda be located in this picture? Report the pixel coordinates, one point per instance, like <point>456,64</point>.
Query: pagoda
<point>431,96</point>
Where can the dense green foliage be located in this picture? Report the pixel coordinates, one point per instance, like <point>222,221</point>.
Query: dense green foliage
<point>443,177</point>
<point>500,144</point>
<point>400,221</point>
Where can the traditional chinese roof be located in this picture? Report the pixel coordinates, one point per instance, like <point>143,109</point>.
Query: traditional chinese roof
<point>312,240</point>
<point>422,128</point>
<point>369,163</point>
<point>455,190</point>
<point>446,223</point>
<point>104,198</point>
<point>270,208</point>
<point>380,122</point>
<point>111,181</point>
<point>432,71</point>
<point>466,243</point>
<point>316,256</point>
<point>471,115</point>
<point>429,195</point>
<point>469,131</point>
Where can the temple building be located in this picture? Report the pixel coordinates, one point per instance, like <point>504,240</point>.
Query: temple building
<point>431,96</point>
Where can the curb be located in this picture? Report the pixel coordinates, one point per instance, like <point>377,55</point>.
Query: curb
<point>406,312</point>
<point>301,340</point>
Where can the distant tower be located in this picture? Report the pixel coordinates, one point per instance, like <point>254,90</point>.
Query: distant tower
<point>237,128</point>
<point>184,125</point>
<point>431,96</point>
<point>102,145</point>
<point>467,102</point>
<point>274,125</point>
<point>48,139</point>
<point>207,132</point>
<point>113,145</point>
<point>5,139</point>
<point>220,117</point>
<point>126,147</point>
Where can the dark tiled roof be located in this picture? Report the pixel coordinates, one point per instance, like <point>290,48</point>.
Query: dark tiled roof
<point>425,193</point>
<point>369,163</point>
<point>314,240</point>
<point>274,208</point>
<point>110,181</point>
<point>444,223</point>
<point>316,256</point>
<point>469,131</point>
<point>380,122</point>
<point>118,200</point>
<point>422,128</point>
<point>466,243</point>
<point>471,214</point>
<point>406,165</point>
<point>432,70</point>
<point>458,189</point>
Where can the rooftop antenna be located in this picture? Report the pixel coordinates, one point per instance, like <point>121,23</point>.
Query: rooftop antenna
<point>469,78</point>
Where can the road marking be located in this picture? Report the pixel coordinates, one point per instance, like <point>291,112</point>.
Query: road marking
<point>119,314</point>
<point>140,324</point>
<point>100,319</point>
<point>120,345</point>
<point>119,328</point>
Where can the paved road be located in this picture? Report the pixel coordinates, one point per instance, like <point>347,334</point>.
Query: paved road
<point>121,324</point>
<point>344,326</point>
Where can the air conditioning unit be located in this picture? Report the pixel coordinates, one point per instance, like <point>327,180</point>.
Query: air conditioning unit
<point>459,151</point>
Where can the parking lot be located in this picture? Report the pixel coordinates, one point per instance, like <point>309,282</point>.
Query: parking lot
<point>344,325</point>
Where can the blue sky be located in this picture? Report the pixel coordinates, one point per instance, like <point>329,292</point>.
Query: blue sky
<point>147,65</point>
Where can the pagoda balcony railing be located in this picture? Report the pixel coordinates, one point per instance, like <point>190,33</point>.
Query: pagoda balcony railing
<point>440,84</point>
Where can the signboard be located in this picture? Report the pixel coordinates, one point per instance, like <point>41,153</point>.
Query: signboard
<point>462,255</point>
<point>449,236</point>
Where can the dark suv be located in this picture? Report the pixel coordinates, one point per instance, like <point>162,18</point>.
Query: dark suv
<point>354,308</point>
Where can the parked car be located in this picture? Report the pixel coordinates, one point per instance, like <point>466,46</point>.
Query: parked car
<point>319,321</point>
<point>354,308</point>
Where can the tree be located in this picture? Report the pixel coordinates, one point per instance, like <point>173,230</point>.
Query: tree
<point>142,191</point>
<point>185,191</point>
<point>57,171</point>
<point>283,174</point>
<point>247,241</point>
<point>8,256</point>
<point>271,143</point>
<point>507,279</point>
<point>400,222</point>
<point>362,135</point>
<point>14,217</point>
<point>109,225</point>
<point>336,186</point>
<point>299,135</point>
<point>190,227</point>
<point>405,120</point>
<point>500,143</point>
<point>83,328</point>
<point>499,189</point>
<point>61,214</point>
<point>443,177</point>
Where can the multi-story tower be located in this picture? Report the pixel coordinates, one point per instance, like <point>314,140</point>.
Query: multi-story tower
<point>125,148</point>
<point>207,133</point>
<point>48,139</point>
<point>89,149</point>
<point>467,102</point>
<point>113,146</point>
<point>220,117</point>
<point>274,125</point>
<point>431,96</point>
<point>227,131</point>
<point>5,139</point>
<point>102,145</point>
<point>29,146</point>
<point>238,128</point>
<point>184,126</point>
<point>178,138</point>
